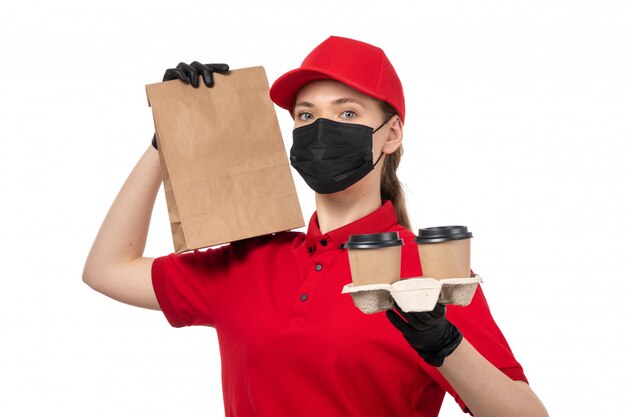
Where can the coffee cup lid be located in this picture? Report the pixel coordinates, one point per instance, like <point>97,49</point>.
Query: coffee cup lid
<point>442,234</point>
<point>374,240</point>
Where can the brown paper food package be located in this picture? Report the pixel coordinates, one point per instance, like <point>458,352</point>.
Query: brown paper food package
<point>226,174</point>
<point>442,260</point>
<point>375,266</point>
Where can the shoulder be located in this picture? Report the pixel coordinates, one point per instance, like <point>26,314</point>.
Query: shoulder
<point>257,247</point>
<point>270,242</point>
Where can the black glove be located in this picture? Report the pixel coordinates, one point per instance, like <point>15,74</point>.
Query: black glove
<point>429,333</point>
<point>189,74</point>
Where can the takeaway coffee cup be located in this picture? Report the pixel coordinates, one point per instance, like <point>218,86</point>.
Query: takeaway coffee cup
<point>374,258</point>
<point>444,251</point>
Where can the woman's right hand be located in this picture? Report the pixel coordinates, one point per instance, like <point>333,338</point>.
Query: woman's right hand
<point>190,74</point>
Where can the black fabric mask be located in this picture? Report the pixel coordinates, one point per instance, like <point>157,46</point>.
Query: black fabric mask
<point>331,156</point>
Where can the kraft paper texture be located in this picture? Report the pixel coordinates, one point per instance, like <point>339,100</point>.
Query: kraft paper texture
<point>226,174</point>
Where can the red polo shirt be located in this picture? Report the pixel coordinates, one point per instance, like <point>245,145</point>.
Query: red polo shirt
<point>292,345</point>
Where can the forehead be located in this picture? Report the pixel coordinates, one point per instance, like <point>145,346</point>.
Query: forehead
<point>329,90</point>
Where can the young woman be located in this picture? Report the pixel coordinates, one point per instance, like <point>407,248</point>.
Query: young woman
<point>291,344</point>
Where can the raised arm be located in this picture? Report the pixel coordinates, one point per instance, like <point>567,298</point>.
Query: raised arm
<point>115,265</point>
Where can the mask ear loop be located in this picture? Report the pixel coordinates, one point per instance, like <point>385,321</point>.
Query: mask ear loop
<point>377,129</point>
<point>384,123</point>
<point>381,155</point>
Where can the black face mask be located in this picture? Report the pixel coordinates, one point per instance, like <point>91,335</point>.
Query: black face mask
<point>331,156</point>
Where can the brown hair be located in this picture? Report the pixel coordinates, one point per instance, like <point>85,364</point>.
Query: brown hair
<point>390,186</point>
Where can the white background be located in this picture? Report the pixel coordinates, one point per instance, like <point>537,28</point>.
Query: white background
<point>515,126</point>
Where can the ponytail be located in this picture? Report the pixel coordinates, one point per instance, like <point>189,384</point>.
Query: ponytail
<point>390,186</point>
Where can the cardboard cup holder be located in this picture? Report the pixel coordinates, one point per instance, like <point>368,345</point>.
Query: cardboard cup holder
<point>413,294</point>
<point>372,298</point>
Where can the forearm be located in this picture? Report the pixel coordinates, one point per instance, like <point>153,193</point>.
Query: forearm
<point>123,234</point>
<point>485,389</point>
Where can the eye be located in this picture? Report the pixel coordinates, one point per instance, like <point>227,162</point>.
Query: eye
<point>348,114</point>
<point>304,116</point>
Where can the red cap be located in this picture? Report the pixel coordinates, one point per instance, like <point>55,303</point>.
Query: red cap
<point>359,65</point>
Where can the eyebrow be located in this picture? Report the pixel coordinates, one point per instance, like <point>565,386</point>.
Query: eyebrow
<point>338,101</point>
<point>303,104</point>
<point>348,100</point>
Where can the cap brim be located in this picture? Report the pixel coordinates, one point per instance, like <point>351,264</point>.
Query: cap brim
<point>284,90</point>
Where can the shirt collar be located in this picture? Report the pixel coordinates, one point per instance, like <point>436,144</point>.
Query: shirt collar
<point>378,221</point>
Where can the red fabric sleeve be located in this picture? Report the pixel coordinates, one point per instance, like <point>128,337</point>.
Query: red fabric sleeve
<point>188,285</point>
<point>479,328</point>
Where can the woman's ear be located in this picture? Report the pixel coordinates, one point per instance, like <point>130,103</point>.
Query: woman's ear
<point>394,135</point>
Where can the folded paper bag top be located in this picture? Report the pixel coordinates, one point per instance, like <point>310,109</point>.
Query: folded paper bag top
<point>226,174</point>
<point>374,258</point>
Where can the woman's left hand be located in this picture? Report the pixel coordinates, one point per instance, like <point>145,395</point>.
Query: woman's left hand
<point>429,333</point>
